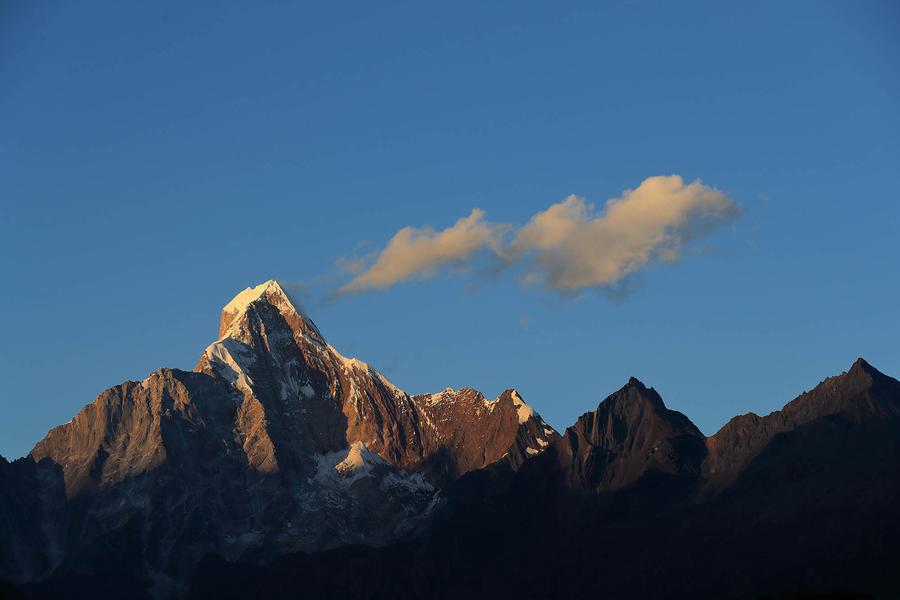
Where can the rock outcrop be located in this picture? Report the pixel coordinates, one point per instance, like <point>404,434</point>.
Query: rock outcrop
<point>631,433</point>
<point>279,467</point>
<point>275,443</point>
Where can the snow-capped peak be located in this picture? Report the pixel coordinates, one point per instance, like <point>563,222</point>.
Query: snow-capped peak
<point>271,291</point>
<point>240,302</point>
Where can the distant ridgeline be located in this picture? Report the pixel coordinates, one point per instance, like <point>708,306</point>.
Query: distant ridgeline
<point>278,468</point>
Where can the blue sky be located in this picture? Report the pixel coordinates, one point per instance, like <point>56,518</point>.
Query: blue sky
<point>156,159</point>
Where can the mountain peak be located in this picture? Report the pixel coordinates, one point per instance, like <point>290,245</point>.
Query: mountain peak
<point>862,366</point>
<point>635,382</point>
<point>244,298</point>
<point>630,433</point>
<point>274,294</point>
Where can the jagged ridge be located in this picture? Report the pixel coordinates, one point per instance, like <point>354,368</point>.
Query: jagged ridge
<point>278,443</point>
<point>246,455</point>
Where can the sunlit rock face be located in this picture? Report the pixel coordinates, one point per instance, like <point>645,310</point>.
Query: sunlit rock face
<point>275,443</point>
<point>632,501</point>
<point>292,468</point>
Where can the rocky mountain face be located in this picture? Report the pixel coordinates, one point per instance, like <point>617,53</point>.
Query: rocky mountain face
<point>280,468</point>
<point>859,396</point>
<point>630,434</point>
<point>276,443</point>
<point>633,502</point>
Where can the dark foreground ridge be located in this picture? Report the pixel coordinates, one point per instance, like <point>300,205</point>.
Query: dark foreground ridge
<point>281,469</point>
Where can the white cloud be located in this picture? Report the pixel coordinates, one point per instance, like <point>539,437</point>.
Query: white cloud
<point>576,249</point>
<point>549,228</point>
<point>421,252</point>
<point>567,247</point>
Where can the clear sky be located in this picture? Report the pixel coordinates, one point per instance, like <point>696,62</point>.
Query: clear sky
<point>157,158</point>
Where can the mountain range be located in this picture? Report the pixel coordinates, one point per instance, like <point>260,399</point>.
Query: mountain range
<point>280,468</point>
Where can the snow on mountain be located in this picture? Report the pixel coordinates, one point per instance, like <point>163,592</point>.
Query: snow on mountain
<point>275,443</point>
<point>523,411</point>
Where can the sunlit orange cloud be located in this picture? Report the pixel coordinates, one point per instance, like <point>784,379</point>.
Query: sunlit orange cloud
<point>567,247</point>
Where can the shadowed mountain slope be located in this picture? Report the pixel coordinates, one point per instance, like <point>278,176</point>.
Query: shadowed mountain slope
<point>620,507</point>
<point>280,468</point>
<point>276,443</point>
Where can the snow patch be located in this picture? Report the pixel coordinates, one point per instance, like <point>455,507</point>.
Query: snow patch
<point>524,411</point>
<point>438,397</point>
<point>231,359</point>
<point>347,466</point>
<point>145,382</point>
<point>349,364</point>
<point>491,404</point>
<point>359,458</point>
<point>354,364</point>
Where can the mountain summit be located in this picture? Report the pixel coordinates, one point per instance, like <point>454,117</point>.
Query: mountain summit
<point>271,293</point>
<point>275,443</point>
<point>630,434</point>
<point>633,502</point>
<point>293,468</point>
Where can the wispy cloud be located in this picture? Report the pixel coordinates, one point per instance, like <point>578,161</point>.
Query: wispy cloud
<point>419,252</point>
<point>568,247</point>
